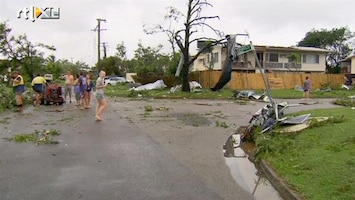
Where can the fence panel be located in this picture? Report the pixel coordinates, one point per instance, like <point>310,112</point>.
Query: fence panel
<point>277,80</point>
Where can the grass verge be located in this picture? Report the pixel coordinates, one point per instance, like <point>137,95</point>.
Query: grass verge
<point>121,90</point>
<point>317,162</point>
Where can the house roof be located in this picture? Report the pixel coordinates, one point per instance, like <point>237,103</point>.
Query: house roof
<point>312,49</point>
<point>292,48</point>
<point>348,58</point>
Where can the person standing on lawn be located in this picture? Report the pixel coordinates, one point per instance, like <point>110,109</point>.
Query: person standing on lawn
<point>18,85</point>
<point>101,100</point>
<point>306,88</point>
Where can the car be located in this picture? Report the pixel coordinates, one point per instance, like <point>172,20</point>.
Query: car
<point>48,77</point>
<point>115,80</point>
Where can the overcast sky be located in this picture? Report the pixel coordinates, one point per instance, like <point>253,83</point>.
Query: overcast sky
<point>268,22</point>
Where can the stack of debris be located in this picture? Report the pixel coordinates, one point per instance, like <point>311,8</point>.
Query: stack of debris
<point>268,116</point>
<point>194,86</point>
<point>250,95</point>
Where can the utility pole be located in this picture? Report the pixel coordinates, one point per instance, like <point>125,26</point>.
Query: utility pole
<point>98,29</point>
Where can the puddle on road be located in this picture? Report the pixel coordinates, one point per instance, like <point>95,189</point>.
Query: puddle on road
<point>245,173</point>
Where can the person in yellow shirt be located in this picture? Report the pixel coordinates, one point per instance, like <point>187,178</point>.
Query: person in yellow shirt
<point>18,85</point>
<point>38,85</point>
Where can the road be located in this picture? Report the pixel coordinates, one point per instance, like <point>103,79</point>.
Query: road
<point>112,159</point>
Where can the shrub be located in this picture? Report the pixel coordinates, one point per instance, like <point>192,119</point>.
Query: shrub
<point>7,97</point>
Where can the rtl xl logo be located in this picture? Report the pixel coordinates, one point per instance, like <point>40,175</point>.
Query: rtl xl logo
<point>34,13</point>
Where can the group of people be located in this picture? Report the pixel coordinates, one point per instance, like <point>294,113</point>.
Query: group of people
<point>82,86</point>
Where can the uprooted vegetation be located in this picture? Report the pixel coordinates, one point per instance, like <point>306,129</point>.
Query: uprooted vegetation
<point>345,101</point>
<point>37,137</point>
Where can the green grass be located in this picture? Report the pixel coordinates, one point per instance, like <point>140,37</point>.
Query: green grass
<point>291,94</point>
<point>319,162</point>
<point>121,90</point>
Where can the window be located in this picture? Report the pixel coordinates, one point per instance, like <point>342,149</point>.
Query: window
<point>215,57</point>
<point>272,57</point>
<point>310,59</point>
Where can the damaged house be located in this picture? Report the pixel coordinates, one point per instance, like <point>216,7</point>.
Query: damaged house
<point>272,59</point>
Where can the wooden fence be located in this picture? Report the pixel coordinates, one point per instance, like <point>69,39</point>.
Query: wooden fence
<point>255,81</point>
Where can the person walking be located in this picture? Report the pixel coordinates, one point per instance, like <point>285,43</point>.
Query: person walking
<point>306,88</point>
<point>18,85</point>
<point>89,87</point>
<point>100,97</point>
<point>69,82</point>
<point>38,85</point>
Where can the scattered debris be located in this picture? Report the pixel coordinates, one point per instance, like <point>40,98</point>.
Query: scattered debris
<point>251,95</point>
<point>309,102</point>
<point>134,85</point>
<point>37,137</point>
<point>194,87</point>
<point>296,120</point>
<point>148,108</point>
<point>347,87</point>
<point>299,88</point>
<point>222,124</point>
<point>159,84</point>
<point>266,118</point>
<point>203,104</point>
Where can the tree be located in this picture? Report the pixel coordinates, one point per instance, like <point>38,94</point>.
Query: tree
<point>183,37</point>
<point>21,52</point>
<point>149,60</point>
<point>121,51</point>
<point>336,40</point>
<point>295,59</point>
<point>166,27</point>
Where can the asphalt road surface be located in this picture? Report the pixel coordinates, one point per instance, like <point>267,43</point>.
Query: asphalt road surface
<point>112,159</point>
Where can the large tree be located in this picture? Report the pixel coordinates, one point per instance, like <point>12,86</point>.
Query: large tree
<point>194,19</point>
<point>21,52</point>
<point>166,27</point>
<point>336,40</point>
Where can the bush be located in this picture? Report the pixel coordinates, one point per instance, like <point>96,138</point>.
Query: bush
<point>7,97</point>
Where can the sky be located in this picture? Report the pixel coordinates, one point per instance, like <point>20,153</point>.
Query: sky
<point>268,22</point>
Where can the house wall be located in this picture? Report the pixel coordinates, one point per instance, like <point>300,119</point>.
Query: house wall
<point>352,69</point>
<point>202,64</point>
<point>250,62</point>
<point>315,67</point>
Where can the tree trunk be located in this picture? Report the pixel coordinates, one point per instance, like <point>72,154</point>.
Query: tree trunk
<point>185,78</point>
